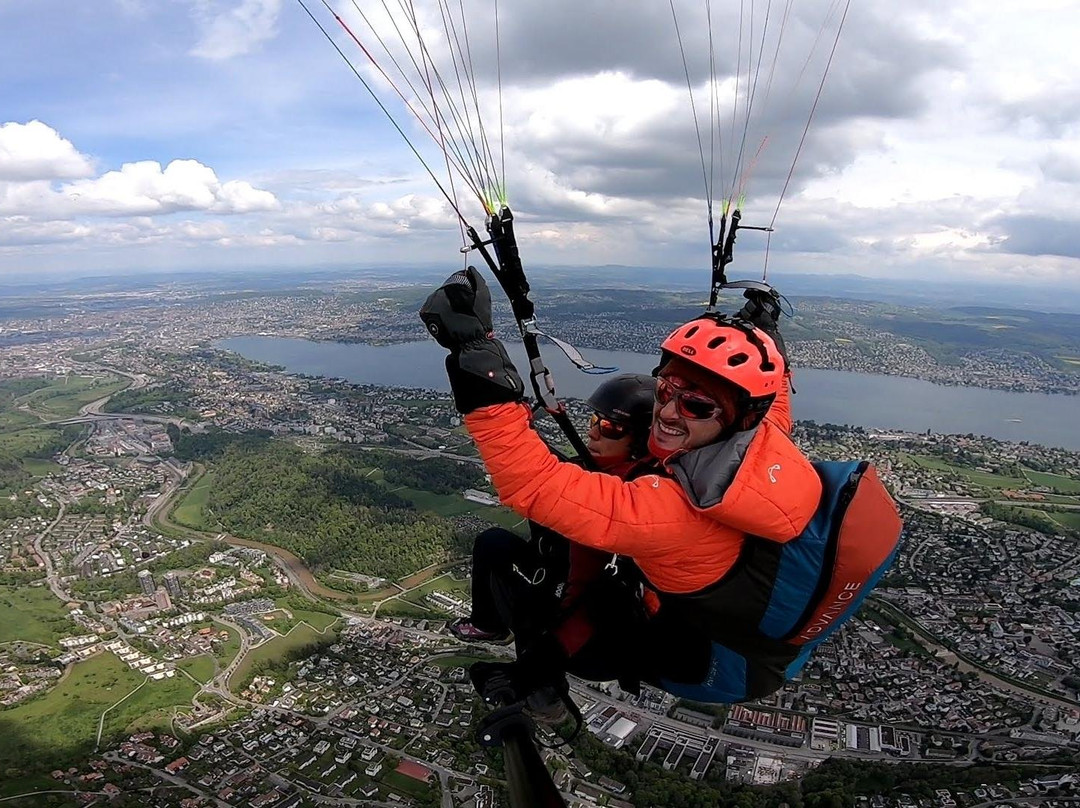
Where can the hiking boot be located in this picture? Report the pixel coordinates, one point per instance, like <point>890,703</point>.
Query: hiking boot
<point>465,631</point>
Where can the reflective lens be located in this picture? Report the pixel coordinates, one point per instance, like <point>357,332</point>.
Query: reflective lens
<point>691,405</point>
<point>612,430</point>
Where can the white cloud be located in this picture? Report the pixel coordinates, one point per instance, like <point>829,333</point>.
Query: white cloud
<point>145,188</point>
<point>23,231</point>
<point>34,151</point>
<point>233,31</point>
<point>50,195</point>
<point>945,142</point>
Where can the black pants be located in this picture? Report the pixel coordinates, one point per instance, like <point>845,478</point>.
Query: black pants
<point>509,586</point>
<point>516,587</point>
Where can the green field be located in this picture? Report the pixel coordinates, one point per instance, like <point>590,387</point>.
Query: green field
<point>23,442</point>
<point>319,621</point>
<point>1070,519</point>
<point>12,420</point>
<point>32,614</point>
<point>153,706</point>
<point>200,667</point>
<point>404,785</point>
<point>65,396</point>
<point>1057,482</point>
<point>1059,499</point>
<point>455,505</point>
<point>448,504</point>
<point>190,510</point>
<point>40,468</point>
<point>459,661</point>
<point>404,608</point>
<point>228,649</point>
<point>982,478</point>
<point>62,725</point>
<point>274,649</point>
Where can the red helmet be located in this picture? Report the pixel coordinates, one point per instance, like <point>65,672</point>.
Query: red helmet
<point>733,350</point>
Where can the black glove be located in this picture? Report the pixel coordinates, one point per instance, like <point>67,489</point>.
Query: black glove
<point>481,374</point>
<point>762,309</point>
<point>459,311</point>
<point>458,315</point>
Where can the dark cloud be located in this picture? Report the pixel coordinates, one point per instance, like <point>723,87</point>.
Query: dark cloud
<point>1031,234</point>
<point>882,69</point>
<point>879,69</point>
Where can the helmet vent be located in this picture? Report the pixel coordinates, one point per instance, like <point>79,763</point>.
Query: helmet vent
<point>693,330</point>
<point>738,359</point>
<point>716,342</point>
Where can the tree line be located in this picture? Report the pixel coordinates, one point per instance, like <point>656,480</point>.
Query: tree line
<point>325,509</point>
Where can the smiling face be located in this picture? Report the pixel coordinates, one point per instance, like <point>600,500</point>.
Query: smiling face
<point>684,393</point>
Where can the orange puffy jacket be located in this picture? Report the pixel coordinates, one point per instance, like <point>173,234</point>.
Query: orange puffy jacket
<point>684,532</point>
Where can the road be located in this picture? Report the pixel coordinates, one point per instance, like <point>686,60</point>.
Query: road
<point>219,685</point>
<point>169,778</point>
<point>138,381</point>
<point>51,573</point>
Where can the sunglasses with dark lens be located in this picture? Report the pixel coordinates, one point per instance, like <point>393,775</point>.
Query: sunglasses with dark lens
<point>612,430</point>
<point>690,405</point>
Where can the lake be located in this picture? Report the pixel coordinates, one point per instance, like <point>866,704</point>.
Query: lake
<point>825,396</point>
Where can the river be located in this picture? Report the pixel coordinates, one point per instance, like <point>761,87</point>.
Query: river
<point>825,396</point>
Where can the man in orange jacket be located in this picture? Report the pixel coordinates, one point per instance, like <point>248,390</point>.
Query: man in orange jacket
<point>725,468</point>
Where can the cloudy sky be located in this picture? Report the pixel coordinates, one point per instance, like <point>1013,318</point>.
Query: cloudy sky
<point>164,134</point>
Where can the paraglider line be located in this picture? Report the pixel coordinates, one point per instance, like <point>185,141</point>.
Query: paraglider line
<point>459,161</point>
<point>498,75</point>
<point>697,127</point>
<point>382,106</point>
<point>813,109</point>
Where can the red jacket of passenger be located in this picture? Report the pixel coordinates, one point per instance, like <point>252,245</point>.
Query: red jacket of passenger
<point>684,531</point>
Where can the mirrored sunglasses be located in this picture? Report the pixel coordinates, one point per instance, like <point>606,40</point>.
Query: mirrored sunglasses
<point>689,404</point>
<point>612,430</point>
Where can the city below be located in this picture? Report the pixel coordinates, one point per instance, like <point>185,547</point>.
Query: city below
<point>227,584</point>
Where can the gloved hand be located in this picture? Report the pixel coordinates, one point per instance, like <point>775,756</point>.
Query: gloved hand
<point>458,315</point>
<point>762,309</point>
<point>459,311</point>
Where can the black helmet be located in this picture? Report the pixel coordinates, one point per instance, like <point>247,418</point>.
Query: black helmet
<point>627,398</point>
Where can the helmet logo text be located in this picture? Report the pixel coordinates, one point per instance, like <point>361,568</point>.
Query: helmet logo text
<point>689,350</point>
